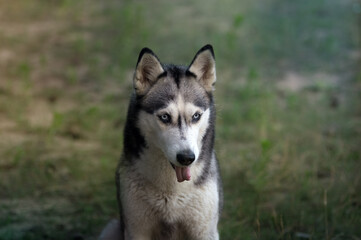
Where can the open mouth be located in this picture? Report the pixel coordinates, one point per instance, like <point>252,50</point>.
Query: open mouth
<point>182,173</point>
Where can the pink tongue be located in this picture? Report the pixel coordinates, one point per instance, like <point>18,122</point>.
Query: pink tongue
<point>183,173</point>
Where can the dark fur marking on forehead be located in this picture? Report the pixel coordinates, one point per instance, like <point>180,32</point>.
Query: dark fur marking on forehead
<point>159,96</point>
<point>153,104</point>
<point>176,72</point>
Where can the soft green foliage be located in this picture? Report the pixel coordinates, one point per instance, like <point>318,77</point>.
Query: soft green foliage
<point>288,111</point>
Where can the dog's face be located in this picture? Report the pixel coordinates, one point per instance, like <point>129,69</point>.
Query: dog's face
<point>175,106</point>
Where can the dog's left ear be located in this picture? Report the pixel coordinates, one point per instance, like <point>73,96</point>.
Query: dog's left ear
<point>203,67</point>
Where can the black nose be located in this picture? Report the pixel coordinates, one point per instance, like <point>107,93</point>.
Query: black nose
<point>186,157</point>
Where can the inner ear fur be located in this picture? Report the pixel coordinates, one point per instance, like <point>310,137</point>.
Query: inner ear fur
<point>203,67</point>
<point>147,71</point>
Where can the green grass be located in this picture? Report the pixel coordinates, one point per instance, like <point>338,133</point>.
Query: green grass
<point>285,161</point>
<point>288,111</point>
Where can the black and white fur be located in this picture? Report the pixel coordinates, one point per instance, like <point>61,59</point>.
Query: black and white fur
<point>168,180</point>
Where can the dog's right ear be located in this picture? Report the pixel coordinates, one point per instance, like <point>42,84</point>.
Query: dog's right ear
<point>147,71</point>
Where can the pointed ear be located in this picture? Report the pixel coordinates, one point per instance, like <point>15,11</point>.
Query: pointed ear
<point>203,67</point>
<point>147,71</point>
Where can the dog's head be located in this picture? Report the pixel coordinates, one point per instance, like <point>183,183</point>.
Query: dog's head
<point>175,106</point>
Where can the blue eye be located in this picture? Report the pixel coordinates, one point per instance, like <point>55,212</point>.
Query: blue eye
<point>196,117</point>
<point>165,118</point>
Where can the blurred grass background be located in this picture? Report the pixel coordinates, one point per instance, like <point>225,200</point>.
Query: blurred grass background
<point>288,99</point>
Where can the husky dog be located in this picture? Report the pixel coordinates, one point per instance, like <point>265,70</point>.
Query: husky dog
<point>168,180</point>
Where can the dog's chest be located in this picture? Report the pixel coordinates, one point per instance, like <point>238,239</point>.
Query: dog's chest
<point>174,204</point>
